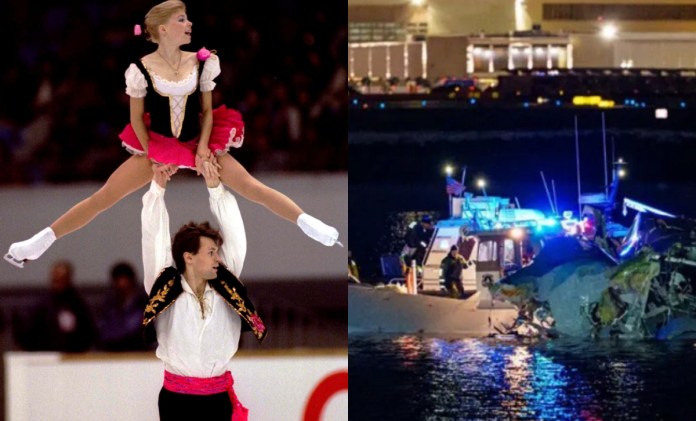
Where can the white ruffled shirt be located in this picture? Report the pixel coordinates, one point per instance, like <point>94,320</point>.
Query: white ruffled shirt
<point>177,91</point>
<point>189,344</point>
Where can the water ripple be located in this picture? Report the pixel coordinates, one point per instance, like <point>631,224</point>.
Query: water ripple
<point>425,378</point>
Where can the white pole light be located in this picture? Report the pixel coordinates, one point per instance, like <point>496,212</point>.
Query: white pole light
<point>609,31</point>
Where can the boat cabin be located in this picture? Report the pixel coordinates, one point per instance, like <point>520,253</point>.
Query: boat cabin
<point>495,236</point>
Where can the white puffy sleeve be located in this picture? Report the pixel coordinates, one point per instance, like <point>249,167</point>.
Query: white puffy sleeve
<point>156,240</point>
<point>136,85</point>
<point>224,206</point>
<point>211,69</point>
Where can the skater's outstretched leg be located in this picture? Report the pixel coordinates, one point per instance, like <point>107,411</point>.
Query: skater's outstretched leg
<point>129,177</point>
<point>236,177</point>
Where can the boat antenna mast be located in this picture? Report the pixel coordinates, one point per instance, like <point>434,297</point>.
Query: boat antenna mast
<point>548,194</point>
<point>577,165</point>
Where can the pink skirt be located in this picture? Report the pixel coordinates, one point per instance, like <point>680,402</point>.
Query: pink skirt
<point>227,132</point>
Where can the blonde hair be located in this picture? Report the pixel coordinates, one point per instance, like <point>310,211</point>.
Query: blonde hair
<point>159,15</point>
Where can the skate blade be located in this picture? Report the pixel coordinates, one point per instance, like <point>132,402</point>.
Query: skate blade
<point>15,262</point>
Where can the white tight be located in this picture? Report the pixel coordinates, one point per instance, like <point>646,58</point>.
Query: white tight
<point>137,171</point>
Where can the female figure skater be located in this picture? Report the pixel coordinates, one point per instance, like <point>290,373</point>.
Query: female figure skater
<point>179,128</point>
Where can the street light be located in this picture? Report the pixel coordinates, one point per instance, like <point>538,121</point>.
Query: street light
<point>448,170</point>
<point>481,183</point>
<point>620,168</point>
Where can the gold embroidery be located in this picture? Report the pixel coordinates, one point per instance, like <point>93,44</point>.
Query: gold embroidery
<point>147,321</point>
<point>241,308</point>
<point>235,296</point>
<point>157,299</point>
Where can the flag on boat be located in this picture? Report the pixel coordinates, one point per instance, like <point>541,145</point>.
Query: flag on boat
<point>454,187</point>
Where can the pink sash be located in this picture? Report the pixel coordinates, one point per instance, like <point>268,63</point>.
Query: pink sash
<point>207,386</point>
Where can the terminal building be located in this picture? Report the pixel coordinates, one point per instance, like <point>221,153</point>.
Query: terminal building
<point>431,39</point>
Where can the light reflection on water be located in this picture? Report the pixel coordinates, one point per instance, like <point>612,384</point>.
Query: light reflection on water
<point>425,378</point>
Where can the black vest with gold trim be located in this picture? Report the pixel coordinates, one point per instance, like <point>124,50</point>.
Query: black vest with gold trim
<point>167,289</point>
<point>160,113</point>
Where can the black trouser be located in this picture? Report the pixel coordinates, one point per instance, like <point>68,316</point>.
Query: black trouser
<point>178,406</point>
<point>455,287</point>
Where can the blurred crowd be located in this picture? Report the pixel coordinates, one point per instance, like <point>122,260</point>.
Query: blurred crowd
<point>60,318</point>
<point>62,88</point>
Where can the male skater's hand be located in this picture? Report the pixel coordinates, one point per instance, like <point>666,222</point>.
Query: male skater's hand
<point>207,165</point>
<point>212,179</point>
<point>163,173</point>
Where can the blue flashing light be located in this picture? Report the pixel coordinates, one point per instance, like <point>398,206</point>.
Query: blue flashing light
<point>525,104</point>
<point>472,101</point>
<point>381,105</point>
<point>549,222</point>
<point>424,103</point>
<point>558,102</point>
<point>682,104</point>
<point>355,101</point>
<point>627,249</point>
<point>643,104</point>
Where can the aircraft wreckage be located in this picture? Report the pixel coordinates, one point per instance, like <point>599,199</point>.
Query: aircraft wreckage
<point>642,285</point>
<point>531,275</point>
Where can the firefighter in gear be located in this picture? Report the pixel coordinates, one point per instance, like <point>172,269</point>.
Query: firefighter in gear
<point>417,240</point>
<point>451,268</point>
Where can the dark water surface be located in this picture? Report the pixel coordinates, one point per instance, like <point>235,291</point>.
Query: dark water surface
<point>426,378</point>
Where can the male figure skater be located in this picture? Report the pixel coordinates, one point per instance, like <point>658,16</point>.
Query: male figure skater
<point>197,307</point>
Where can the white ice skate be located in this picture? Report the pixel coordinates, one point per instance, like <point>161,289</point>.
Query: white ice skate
<point>317,230</point>
<point>30,249</point>
<point>12,260</point>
